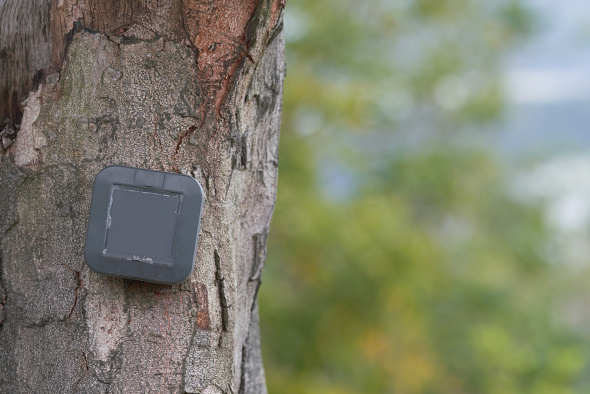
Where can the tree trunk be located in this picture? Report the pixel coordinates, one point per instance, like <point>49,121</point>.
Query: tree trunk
<point>175,85</point>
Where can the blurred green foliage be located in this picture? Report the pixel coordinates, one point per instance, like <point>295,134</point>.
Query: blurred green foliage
<point>416,272</point>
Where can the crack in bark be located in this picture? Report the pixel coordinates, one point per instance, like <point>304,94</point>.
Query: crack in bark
<point>259,255</point>
<point>220,280</point>
<point>187,134</point>
<point>203,322</point>
<point>246,346</point>
<point>242,389</point>
<point>78,285</point>
<point>2,295</point>
<point>240,151</point>
<point>277,7</point>
<point>275,33</point>
<point>44,322</point>
<point>11,226</point>
<point>26,384</point>
<point>85,360</point>
<point>224,91</point>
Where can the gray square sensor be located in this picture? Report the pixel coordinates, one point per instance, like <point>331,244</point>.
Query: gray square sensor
<point>143,224</point>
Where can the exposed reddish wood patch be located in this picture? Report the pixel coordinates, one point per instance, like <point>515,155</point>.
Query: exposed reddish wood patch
<point>202,307</point>
<point>217,29</point>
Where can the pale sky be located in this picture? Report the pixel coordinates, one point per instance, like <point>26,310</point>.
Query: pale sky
<point>555,66</point>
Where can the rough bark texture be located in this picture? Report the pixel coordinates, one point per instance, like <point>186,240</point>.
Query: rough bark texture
<point>186,86</point>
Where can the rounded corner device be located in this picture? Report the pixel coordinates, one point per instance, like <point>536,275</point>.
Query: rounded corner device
<point>143,224</point>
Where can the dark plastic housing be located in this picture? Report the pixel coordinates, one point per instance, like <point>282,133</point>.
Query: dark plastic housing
<point>144,224</point>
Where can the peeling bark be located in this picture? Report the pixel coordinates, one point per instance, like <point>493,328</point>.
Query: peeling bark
<point>186,86</point>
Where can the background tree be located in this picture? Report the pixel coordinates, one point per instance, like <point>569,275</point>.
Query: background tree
<point>399,260</point>
<point>183,86</point>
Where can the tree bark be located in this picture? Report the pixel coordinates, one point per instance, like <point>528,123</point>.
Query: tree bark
<point>175,85</point>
